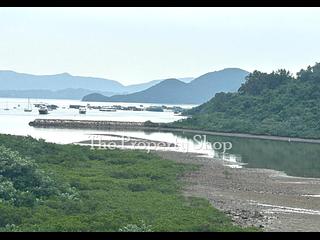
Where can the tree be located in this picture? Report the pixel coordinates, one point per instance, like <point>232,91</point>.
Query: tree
<point>257,81</point>
<point>310,74</point>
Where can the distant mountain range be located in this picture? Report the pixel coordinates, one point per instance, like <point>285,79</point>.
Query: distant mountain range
<point>64,85</point>
<point>69,93</point>
<point>176,91</point>
<point>10,80</point>
<point>142,86</point>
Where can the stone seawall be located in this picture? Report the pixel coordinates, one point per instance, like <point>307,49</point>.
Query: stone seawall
<point>92,124</point>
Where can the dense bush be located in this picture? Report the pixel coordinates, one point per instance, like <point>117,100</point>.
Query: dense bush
<point>22,182</point>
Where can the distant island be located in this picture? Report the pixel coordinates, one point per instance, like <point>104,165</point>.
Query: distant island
<point>68,93</point>
<point>175,91</point>
<point>271,104</point>
<point>64,86</point>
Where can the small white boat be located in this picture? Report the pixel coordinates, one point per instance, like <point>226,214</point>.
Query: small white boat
<point>43,110</point>
<point>82,110</point>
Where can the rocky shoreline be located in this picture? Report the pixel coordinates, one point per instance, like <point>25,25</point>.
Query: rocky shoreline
<point>263,198</point>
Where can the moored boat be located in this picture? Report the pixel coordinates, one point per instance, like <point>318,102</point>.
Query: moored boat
<point>29,109</point>
<point>82,110</point>
<point>43,110</point>
<point>7,108</point>
<point>107,109</point>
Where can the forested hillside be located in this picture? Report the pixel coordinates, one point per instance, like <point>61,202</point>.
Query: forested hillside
<point>274,103</point>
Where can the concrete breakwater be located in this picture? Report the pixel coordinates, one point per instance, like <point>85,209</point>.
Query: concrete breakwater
<point>93,124</point>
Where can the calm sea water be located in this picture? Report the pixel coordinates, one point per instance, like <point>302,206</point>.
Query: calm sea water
<point>297,159</point>
<point>294,159</point>
<point>15,121</point>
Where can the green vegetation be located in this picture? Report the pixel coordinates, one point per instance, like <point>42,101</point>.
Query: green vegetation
<point>270,104</point>
<point>22,183</point>
<point>50,187</point>
<point>151,124</point>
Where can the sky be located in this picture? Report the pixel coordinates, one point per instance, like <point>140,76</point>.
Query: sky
<point>135,45</point>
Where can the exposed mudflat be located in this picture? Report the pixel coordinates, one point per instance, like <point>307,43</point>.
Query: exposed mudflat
<point>263,198</point>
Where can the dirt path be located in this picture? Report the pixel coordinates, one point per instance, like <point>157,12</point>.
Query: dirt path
<point>254,197</point>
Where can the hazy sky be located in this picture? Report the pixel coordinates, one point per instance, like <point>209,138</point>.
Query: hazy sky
<point>135,45</point>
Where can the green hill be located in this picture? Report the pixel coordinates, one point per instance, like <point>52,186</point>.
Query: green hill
<point>163,92</point>
<point>271,104</point>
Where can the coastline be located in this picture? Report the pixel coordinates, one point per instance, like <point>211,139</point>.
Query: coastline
<point>264,198</point>
<point>267,199</point>
<point>109,125</point>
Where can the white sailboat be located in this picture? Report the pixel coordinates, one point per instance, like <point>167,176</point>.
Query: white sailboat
<point>29,109</point>
<point>7,108</point>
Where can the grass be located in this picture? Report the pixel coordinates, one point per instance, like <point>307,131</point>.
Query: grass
<point>117,189</point>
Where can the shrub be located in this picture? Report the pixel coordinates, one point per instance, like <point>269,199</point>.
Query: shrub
<point>23,183</point>
<point>136,228</point>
